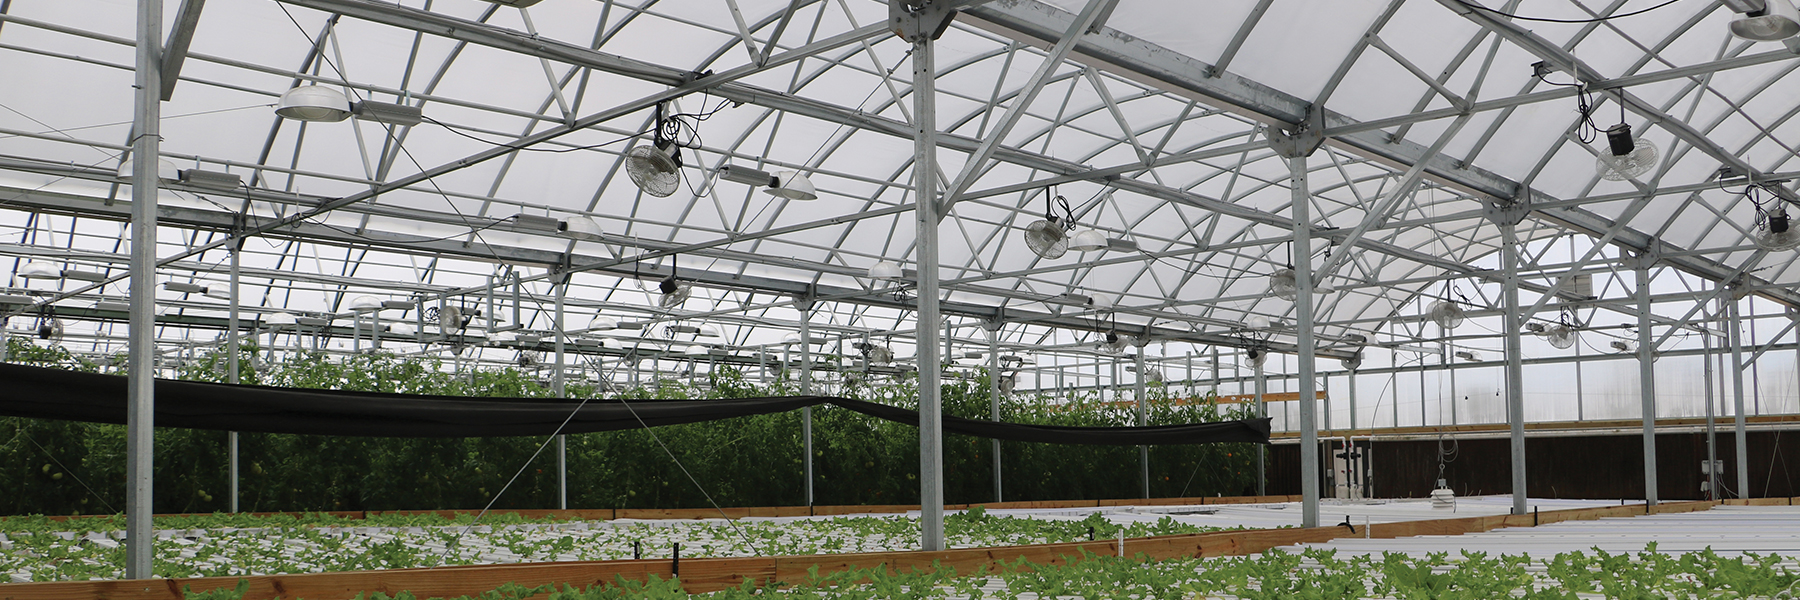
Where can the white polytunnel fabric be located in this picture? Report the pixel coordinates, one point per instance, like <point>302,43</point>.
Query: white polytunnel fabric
<point>1153,131</point>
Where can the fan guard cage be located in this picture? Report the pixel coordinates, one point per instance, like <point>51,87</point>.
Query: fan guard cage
<point>654,170</point>
<point>1046,238</point>
<point>1284,283</point>
<point>675,298</point>
<point>1562,337</point>
<point>1446,314</point>
<point>1766,236</point>
<point>1638,161</point>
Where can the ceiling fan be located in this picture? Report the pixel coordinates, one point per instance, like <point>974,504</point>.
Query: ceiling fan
<point>1773,230</point>
<point>1049,237</point>
<point>656,168</point>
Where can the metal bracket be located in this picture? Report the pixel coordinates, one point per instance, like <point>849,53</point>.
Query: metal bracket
<point>804,302</point>
<point>1305,137</point>
<point>993,325</point>
<point>916,20</point>
<point>563,269</point>
<point>1509,213</point>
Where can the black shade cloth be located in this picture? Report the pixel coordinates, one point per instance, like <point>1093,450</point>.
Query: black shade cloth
<point>38,392</point>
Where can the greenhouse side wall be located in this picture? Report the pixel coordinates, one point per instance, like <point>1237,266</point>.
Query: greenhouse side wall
<point>1571,466</point>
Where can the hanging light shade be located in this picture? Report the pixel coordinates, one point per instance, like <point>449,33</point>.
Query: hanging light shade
<point>793,186</point>
<point>217,293</point>
<point>365,304</point>
<point>313,103</point>
<point>1105,301</point>
<point>580,228</point>
<point>40,270</point>
<point>709,331</point>
<point>278,319</point>
<point>402,328</point>
<point>1088,240</point>
<point>1257,322</point>
<point>793,337</point>
<point>886,270</point>
<point>603,324</point>
<point>1775,22</point>
<point>695,350</point>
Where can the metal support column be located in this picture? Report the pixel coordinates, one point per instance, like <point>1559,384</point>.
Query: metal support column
<point>994,402</point>
<point>231,372</point>
<point>1735,371</point>
<point>920,22</point>
<point>1217,372</point>
<point>1262,450</point>
<point>140,415</point>
<point>1143,418</point>
<point>1712,438</point>
<point>559,386</point>
<point>1515,367</point>
<point>1296,145</point>
<point>1309,434</point>
<point>1647,377</point>
<point>806,420</point>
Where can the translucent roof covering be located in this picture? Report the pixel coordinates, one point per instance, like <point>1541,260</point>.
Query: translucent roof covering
<point>1154,128</point>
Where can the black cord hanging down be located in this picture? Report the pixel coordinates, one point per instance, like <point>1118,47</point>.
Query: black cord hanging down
<point>1549,20</point>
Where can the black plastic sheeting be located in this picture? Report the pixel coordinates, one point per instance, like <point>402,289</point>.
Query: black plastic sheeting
<point>39,392</point>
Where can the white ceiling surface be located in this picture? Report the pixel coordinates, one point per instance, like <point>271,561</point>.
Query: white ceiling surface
<point>70,79</point>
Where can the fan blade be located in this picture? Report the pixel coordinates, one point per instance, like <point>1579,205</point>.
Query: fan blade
<point>1047,239</point>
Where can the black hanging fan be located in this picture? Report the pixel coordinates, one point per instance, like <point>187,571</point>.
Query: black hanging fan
<point>656,168</point>
<point>1049,237</point>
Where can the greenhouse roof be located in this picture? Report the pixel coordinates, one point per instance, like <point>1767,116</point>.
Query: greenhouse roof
<point>1154,125</point>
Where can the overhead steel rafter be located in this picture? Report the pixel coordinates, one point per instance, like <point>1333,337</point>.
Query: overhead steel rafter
<point>1064,164</point>
<point>509,40</point>
<point>1126,56</point>
<point>681,82</point>
<point>624,268</point>
<point>438,24</point>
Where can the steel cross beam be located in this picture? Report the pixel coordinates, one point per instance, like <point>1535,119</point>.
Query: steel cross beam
<point>175,215</point>
<point>180,38</point>
<point>425,21</point>
<point>1564,60</point>
<point>1022,102</point>
<point>722,85</point>
<point>1138,60</point>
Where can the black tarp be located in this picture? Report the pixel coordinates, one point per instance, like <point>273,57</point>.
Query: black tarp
<point>39,392</point>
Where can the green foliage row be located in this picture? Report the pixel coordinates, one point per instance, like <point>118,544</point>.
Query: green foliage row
<point>1313,575</point>
<point>61,468</point>
<point>238,545</point>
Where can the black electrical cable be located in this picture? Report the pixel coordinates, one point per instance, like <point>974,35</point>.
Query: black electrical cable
<point>1585,129</point>
<point>459,131</point>
<point>1548,20</point>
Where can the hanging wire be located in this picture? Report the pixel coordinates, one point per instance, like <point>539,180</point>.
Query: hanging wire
<point>1550,20</point>
<point>1585,129</point>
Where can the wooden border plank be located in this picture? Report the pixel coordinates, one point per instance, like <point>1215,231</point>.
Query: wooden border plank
<point>713,574</point>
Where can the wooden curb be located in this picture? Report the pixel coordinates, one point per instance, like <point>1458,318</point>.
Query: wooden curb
<point>712,574</point>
